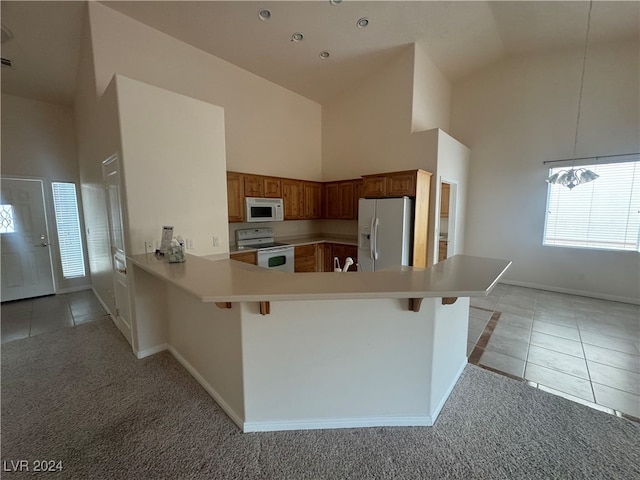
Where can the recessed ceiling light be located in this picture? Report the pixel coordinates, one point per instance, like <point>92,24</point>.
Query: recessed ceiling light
<point>264,14</point>
<point>324,55</point>
<point>362,22</point>
<point>335,2</point>
<point>297,37</point>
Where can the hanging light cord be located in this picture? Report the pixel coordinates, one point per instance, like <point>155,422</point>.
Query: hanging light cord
<point>584,63</point>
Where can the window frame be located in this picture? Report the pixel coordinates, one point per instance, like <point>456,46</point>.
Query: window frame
<point>593,164</point>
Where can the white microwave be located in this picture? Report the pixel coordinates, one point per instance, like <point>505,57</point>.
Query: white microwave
<point>264,209</point>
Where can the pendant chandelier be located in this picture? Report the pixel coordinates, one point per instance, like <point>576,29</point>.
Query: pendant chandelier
<point>575,176</point>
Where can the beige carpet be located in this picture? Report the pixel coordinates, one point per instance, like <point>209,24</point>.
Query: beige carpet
<point>79,396</point>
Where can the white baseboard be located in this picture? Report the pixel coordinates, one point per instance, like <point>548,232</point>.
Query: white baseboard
<point>581,293</point>
<point>445,397</point>
<point>331,423</point>
<point>210,390</point>
<point>104,305</point>
<point>151,351</point>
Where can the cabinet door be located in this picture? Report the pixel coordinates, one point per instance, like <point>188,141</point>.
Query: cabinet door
<point>444,199</point>
<point>305,258</point>
<point>374,186</point>
<point>312,200</point>
<point>331,200</point>
<point>253,186</point>
<point>246,257</point>
<point>272,187</point>
<point>346,210</point>
<point>342,252</point>
<point>235,197</point>
<point>292,199</point>
<point>358,193</point>
<point>400,184</point>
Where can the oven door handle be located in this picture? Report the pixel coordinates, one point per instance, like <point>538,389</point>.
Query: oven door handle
<point>265,251</point>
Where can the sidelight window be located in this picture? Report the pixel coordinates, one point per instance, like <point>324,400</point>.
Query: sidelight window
<point>65,204</point>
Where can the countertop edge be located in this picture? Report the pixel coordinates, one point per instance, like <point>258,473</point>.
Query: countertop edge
<point>350,286</point>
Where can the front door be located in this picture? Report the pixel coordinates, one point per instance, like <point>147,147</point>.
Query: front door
<point>111,173</point>
<point>26,255</point>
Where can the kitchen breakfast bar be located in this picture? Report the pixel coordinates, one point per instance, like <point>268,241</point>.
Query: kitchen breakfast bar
<point>285,351</point>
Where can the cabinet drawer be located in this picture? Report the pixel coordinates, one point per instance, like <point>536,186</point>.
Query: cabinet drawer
<point>246,257</point>
<point>305,250</point>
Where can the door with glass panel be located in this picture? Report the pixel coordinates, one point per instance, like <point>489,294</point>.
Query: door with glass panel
<point>26,256</point>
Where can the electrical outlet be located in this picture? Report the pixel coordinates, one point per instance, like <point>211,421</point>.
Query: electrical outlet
<point>148,246</point>
<point>189,243</point>
<point>216,241</point>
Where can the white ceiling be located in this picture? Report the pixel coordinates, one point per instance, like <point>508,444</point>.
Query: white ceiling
<point>459,37</point>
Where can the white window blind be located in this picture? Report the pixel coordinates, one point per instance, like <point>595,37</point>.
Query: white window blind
<point>68,222</point>
<point>603,214</point>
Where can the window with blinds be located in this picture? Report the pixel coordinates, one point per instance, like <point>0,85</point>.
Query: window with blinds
<point>65,205</point>
<point>602,214</point>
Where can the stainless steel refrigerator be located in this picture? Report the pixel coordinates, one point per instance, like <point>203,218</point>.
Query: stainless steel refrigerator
<point>384,233</point>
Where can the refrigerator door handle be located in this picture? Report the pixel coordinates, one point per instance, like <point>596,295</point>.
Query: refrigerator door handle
<point>372,248</point>
<point>375,239</point>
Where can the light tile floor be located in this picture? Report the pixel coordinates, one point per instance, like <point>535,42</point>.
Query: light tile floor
<point>27,318</point>
<point>581,348</point>
<point>584,349</point>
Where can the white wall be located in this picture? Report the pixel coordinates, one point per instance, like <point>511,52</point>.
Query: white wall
<point>39,141</point>
<point>521,112</point>
<point>431,94</point>
<point>269,130</point>
<point>173,156</point>
<point>453,168</point>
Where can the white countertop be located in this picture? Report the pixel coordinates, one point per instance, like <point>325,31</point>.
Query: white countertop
<point>304,240</point>
<point>231,281</point>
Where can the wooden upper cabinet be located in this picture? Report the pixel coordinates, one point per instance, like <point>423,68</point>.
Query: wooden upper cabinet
<point>293,199</point>
<point>272,187</point>
<point>253,186</point>
<point>346,210</point>
<point>235,197</point>
<point>444,199</point>
<point>374,186</point>
<point>331,200</point>
<point>312,200</point>
<point>393,184</point>
<point>401,183</point>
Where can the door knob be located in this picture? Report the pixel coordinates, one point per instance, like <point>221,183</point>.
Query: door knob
<point>123,271</point>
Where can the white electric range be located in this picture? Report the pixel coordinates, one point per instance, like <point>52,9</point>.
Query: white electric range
<point>271,254</point>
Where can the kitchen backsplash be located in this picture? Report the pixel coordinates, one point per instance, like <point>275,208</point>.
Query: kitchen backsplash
<point>299,228</point>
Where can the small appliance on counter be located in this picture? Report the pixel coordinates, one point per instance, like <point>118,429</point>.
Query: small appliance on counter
<point>264,209</point>
<point>272,255</point>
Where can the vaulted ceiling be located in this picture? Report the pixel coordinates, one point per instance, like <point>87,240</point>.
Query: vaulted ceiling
<point>460,37</point>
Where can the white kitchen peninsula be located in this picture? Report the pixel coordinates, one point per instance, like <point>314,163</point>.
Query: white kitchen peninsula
<point>281,351</point>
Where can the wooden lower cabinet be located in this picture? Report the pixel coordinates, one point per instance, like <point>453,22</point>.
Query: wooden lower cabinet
<point>342,251</point>
<point>306,258</point>
<point>442,250</point>
<point>246,257</point>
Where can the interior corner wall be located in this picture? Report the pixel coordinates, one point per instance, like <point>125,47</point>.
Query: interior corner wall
<point>98,137</point>
<point>173,160</point>
<point>521,112</point>
<point>431,94</point>
<point>269,129</point>
<point>367,128</point>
